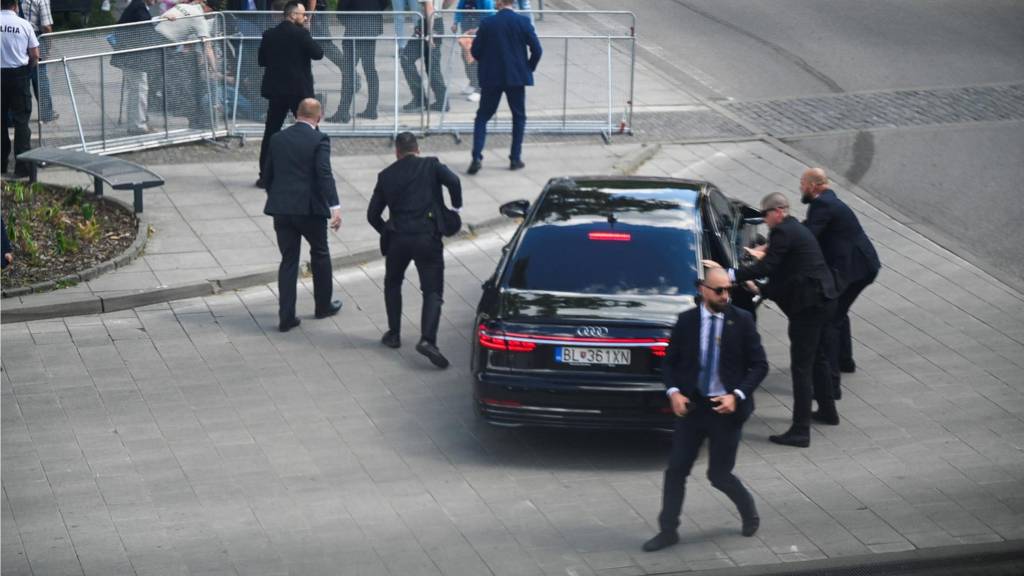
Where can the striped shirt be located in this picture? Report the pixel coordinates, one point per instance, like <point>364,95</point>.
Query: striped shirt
<point>37,12</point>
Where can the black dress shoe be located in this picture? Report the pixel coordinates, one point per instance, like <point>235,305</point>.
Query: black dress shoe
<point>391,339</point>
<point>516,165</point>
<point>792,438</point>
<point>440,107</point>
<point>661,540</point>
<point>335,306</point>
<point>848,366</point>
<point>826,417</point>
<point>432,353</point>
<point>260,183</point>
<point>286,326</point>
<point>367,115</point>
<point>750,525</point>
<point>413,106</point>
<point>474,167</point>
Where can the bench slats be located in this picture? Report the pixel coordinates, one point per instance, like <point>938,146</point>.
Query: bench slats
<point>119,174</point>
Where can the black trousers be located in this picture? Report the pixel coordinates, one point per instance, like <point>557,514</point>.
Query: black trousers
<point>808,361</point>
<point>427,252</point>
<point>290,231</point>
<point>16,103</point>
<point>723,434</point>
<point>277,110</point>
<point>364,51</point>
<point>840,345</point>
<point>413,51</point>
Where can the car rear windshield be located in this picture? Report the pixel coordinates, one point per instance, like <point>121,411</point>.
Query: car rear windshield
<point>644,246</point>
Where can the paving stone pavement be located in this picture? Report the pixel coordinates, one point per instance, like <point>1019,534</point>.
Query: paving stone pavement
<point>193,438</point>
<point>884,109</point>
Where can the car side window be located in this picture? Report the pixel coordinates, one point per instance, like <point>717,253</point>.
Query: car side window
<point>718,233</point>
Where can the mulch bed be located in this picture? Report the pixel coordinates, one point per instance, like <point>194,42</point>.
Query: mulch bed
<point>58,231</point>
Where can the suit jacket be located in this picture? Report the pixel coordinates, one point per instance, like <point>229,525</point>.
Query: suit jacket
<point>500,46</point>
<point>798,277</point>
<point>298,173</point>
<point>410,188</point>
<point>846,247</point>
<point>287,51</point>
<point>136,11</point>
<point>742,363</point>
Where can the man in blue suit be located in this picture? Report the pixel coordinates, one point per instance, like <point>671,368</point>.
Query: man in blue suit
<point>849,253</point>
<point>500,46</point>
<point>714,363</point>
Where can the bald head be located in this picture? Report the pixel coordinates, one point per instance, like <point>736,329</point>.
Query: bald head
<point>716,277</point>
<point>813,182</point>
<point>309,111</point>
<point>714,290</point>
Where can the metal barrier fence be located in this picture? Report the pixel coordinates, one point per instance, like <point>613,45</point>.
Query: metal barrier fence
<point>583,84</point>
<point>124,87</point>
<point>359,81</point>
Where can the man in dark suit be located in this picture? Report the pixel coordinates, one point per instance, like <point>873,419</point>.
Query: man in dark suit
<point>286,51</point>
<point>301,196</point>
<point>801,284</point>
<point>714,363</point>
<point>500,46</point>
<point>410,188</point>
<point>849,253</point>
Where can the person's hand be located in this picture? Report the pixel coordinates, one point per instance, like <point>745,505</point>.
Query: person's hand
<point>751,287</point>
<point>680,404</point>
<point>758,252</point>
<point>726,404</point>
<point>335,219</point>
<point>170,16</point>
<point>710,264</point>
<point>9,257</point>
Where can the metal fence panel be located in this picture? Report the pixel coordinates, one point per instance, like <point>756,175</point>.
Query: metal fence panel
<point>363,55</point>
<point>583,84</point>
<point>132,86</point>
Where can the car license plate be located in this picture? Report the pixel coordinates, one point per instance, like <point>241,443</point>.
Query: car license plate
<point>586,356</point>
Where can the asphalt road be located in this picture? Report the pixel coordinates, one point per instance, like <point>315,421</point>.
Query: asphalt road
<point>956,181</point>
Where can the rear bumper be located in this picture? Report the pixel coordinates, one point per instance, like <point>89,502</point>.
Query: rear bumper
<point>515,400</point>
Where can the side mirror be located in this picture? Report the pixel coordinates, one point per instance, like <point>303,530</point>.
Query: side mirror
<point>514,209</point>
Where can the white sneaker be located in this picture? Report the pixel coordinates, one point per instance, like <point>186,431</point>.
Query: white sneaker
<point>468,89</point>
<point>474,97</point>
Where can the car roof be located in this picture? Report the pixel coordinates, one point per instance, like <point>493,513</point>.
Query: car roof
<point>628,198</point>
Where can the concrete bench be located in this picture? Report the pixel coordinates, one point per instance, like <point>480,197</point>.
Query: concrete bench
<point>120,174</point>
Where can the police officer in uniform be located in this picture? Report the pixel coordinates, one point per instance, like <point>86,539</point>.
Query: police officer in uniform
<point>410,188</point>
<point>19,53</point>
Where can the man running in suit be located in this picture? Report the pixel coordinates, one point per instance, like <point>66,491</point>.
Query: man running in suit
<point>500,46</point>
<point>410,188</point>
<point>714,363</point>
<point>801,284</point>
<point>286,51</point>
<point>301,196</point>
<point>849,253</point>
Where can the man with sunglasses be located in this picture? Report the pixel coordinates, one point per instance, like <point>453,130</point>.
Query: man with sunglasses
<point>713,364</point>
<point>801,283</point>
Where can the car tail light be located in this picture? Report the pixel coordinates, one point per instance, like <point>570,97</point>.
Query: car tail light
<point>502,403</point>
<point>496,340</point>
<point>610,236</point>
<point>661,348</point>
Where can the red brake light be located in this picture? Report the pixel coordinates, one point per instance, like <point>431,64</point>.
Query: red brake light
<point>610,236</point>
<point>661,349</point>
<point>497,341</point>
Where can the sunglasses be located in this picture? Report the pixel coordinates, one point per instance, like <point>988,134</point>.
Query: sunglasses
<point>718,291</point>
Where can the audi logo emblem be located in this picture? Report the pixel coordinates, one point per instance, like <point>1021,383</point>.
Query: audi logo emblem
<point>592,331</point>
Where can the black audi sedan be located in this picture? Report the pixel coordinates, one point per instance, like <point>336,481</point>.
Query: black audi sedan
<point>572,327</point>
